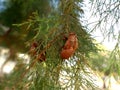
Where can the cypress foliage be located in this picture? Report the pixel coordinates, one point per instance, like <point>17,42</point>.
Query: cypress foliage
<point>49,32</point>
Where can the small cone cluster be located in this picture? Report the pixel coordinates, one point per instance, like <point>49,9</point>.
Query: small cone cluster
<point>70,46</point>
<point>33,52</point>
<point>33,47</point>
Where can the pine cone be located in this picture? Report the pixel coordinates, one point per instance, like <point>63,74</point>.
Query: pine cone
<point>66,53</point>
<point>42,57</point>
<point>33,48</point>
<point>71,42</point>
<point>70,46</point>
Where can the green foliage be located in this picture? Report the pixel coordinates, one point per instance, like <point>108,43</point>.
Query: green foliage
<point>49,31</point>
<point>99,61</point>
<point>48,27</point>
<point>18,11</point>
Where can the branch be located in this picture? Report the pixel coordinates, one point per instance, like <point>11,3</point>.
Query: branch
<point>43,51</point>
